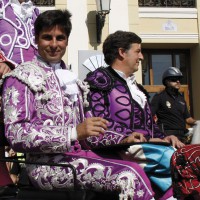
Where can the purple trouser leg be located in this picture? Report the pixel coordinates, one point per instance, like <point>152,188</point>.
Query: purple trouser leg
<point>93,172</point>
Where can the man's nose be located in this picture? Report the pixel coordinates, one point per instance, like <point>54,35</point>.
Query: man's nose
<point>53,43</point>
<point>141,56</point>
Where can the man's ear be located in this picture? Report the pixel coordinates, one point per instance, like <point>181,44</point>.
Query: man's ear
<point>121,52</point>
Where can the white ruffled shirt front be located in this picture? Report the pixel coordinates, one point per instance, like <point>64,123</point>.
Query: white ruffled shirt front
<point>68,84</point>
<point>136,94</point>
<point>67,80</point>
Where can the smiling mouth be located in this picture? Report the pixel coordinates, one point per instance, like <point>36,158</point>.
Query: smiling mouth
<point>52,53</point>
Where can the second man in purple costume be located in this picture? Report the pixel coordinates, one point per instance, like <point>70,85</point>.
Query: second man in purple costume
<point>116,96</point>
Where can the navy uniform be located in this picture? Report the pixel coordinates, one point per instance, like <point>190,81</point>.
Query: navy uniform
<point>171,110</point>
<point>170,107</point>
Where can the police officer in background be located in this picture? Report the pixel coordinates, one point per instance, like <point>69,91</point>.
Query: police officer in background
<point>170,107</point>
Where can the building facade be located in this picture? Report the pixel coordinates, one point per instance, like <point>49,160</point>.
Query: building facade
<point>169,31</point>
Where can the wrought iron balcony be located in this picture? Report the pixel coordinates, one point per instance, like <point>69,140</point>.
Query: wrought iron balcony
<point>43,2</point>
<point>167,3</point>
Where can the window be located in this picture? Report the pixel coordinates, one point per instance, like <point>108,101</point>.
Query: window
<point>167,3</point>
<point>44,3</point>
<point>157,61</point>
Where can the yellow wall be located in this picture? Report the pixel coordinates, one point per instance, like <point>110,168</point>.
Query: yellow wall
<point>133,16</point>
<point>134,27</point>
<point>60,4</point>
<point>154,25</point>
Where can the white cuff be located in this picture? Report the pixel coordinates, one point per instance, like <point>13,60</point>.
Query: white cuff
<point>73,134</point>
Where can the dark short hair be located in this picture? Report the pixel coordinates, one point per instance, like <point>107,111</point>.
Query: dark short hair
<point>119,39</point>
<point>52,18</point>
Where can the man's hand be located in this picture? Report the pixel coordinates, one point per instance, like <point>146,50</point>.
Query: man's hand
<point>157,140</point>
<point>190,121</point>
<point>174,141</point>
<point>134,137</point>
<point>4,68</point>
<point>94,126</point>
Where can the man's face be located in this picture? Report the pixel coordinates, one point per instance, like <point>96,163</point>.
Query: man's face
<point>174,82</point>
<point>52,44</point>
<point>132,57</point>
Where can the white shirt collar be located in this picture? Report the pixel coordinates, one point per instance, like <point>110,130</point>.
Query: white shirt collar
<point>55,66</point>
<point>121,74</point>
<point>130,78</point>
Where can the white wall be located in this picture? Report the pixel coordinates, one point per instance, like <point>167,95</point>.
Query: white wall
<point>118,17</point>
<point>78,39</point>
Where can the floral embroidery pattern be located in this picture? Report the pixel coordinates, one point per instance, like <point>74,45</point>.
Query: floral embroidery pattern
<point>41,126</point>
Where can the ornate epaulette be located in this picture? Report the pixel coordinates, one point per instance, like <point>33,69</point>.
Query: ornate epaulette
<point>100,79</point>
<point>31,75</point>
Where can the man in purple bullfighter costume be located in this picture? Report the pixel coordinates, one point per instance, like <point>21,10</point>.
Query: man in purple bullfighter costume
<point>17,30</point>
<point>43,115</point>
<point>115,96</point>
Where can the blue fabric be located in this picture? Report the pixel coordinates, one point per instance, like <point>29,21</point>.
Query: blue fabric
<point>158,164</point>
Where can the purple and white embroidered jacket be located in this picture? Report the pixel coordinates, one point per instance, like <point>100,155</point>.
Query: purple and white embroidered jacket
<point>39,117</point>
<point>110,98</point>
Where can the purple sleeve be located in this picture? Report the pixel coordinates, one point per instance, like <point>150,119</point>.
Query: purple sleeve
<point>116,132</point>
<point>27,129</point>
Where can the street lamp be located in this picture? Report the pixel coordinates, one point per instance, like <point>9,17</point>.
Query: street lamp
<point>103,8</point>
